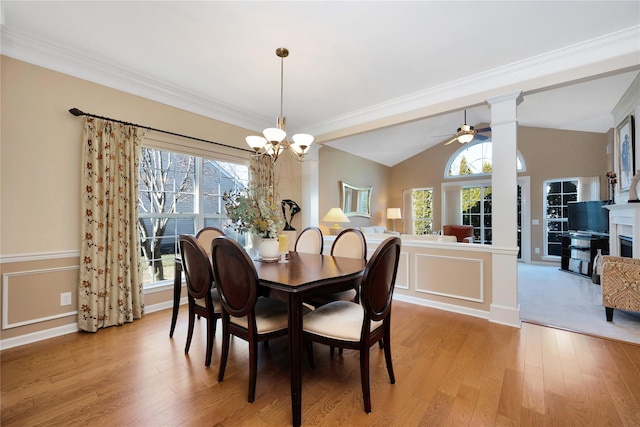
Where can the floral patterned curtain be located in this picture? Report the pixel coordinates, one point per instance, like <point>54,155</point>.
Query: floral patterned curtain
<point>263,177</point>
<point>110,288</point>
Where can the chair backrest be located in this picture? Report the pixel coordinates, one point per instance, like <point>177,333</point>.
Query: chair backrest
<point>310,241</point>
<point>379,279</point>
<point>206,235</point>
<point>196,266</point>
<point>235,276</point>
<point>350,243</point>
<point>460,231</point>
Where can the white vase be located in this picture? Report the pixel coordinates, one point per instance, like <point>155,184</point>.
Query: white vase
<point>268,248</point>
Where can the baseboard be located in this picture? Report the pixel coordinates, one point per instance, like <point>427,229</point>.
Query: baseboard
<point>69,329</point>
<point>442,306</point>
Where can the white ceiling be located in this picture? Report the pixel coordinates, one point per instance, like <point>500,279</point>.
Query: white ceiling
<point>382,80</point>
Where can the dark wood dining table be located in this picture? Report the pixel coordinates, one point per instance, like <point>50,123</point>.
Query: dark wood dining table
<point>304,276</point>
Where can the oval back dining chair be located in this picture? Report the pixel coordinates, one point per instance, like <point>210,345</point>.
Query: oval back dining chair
<point>201,295</point>
<point>244,314</point>
<point>350,243</point>
<point>206,235</point>
<point>359,326</point>
<point>310,241</point>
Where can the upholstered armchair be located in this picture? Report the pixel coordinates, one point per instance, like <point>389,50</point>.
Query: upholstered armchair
<point>620,278</point>
<point>463,233</point>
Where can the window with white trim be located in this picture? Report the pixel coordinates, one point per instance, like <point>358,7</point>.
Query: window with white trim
<point>475,159</point>
<point>179,194</point>
<point>557,194</point>
<point>421,200</point>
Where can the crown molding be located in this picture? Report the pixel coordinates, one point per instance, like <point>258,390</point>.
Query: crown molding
<point>603,54</point>
<point>39,52</point>
<point>612,52</point>
<point>629,101</point>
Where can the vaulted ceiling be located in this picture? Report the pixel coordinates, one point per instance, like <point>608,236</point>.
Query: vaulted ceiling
<point>381,80</point>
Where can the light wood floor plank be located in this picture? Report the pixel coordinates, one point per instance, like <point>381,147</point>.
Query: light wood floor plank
<point>450,370</point>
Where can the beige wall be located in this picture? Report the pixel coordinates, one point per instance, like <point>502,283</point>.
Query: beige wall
<point>40,170</point>
<point>40,182</point>
<point>548,154</point>
<point>337,166</point>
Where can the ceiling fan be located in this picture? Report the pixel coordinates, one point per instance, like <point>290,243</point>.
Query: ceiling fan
<point>467,133</point>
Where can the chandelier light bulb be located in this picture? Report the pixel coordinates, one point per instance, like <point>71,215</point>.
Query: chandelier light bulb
<point>256,142</point>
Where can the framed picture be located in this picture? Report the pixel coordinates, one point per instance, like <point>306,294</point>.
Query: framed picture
<point>626,156</point>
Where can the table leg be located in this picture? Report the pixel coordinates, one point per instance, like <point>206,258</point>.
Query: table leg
<point>177,289</point>
<point>295,355</point>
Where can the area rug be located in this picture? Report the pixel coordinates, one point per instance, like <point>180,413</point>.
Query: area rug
<point>551,297</point>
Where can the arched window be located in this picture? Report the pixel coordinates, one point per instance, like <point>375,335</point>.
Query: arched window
<point>474,159</point>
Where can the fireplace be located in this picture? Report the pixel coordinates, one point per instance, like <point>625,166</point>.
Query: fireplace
<point>626,246</point>
<point>624,229</point>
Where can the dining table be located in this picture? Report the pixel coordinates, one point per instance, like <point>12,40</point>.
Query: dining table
<point>304,276</point>
<point>301,277</point>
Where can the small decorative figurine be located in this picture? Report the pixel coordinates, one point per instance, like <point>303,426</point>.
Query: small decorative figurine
<point>293,210</point>
<point>612,178</point>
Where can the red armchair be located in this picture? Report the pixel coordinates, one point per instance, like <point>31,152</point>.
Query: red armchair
<point>464,233</point>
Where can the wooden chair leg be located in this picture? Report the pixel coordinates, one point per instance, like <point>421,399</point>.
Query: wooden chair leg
<point>309,346</point>
<point>253,369</point>
<point>189,330</point>
<point>364,377</point>
<point>609,313</point>
<point>211,321</point>
<point>387,356</point>
<point>226,336</point>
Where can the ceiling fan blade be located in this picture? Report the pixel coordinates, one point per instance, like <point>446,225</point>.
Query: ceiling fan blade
<point>481,137</point>
<point>483,130</point>
<point>455,138</point>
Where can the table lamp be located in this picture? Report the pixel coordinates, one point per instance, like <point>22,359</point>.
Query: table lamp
<point>394,213</point>
<point>335,215</point>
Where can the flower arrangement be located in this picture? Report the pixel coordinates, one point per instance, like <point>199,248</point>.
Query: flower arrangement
<point>256,215</point>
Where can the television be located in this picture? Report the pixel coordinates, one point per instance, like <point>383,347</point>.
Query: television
<point>588,216</point>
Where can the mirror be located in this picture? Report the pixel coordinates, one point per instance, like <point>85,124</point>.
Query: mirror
<point>356,201</point>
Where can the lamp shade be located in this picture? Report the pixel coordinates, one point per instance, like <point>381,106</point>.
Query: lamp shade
<point>335,215</point>
<point>256,142</point>
<point>467,137</point>
<point>394,213</point>
<point>274,135</point>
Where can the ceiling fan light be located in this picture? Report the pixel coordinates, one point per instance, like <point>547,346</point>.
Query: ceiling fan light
<point>465,138</point>
<point>274,135</point>
<point>256,142</point>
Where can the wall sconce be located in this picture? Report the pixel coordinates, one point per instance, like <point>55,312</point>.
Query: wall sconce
<point>394,213</point>
<point>335,215</point>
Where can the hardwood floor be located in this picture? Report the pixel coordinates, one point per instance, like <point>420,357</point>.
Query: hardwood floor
<point>450,370</point>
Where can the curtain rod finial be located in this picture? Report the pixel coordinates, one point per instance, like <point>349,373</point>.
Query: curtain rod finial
<point>76,112</point>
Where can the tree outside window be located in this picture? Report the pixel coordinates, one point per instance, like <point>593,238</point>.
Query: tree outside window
<point>422,210</point>
<point>179,194</point>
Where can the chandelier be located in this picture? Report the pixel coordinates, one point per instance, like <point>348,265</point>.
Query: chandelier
<point>275,139</point>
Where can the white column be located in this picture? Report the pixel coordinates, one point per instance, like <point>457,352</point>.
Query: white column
<point>504,182</point>
<point>310,185</point>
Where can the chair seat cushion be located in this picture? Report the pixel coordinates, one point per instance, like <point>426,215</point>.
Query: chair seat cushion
<point>215,297</point>
<point>348,295</point>
<point>341,320</point>
<point>271,316</point>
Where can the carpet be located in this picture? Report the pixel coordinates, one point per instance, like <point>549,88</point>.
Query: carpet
<point>551,297</point>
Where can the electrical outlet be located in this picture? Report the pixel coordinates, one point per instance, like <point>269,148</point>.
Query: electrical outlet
<point>536,250</point>
<point>65,298</point>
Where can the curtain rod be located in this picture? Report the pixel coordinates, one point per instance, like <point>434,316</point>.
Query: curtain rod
<point>76,112</point>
